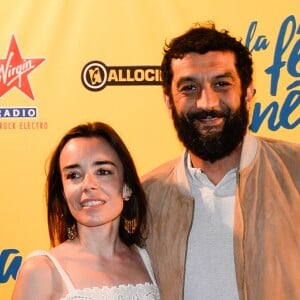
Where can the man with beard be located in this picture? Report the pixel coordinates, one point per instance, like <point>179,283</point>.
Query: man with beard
<point>225,217</point>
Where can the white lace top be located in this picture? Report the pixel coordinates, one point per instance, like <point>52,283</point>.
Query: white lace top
<point>145,291</point>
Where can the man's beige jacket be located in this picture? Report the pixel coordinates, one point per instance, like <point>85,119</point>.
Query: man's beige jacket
<point>266,222</point>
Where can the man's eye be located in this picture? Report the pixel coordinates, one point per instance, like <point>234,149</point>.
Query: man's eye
<point>222,84</point>
<point>188,88</point>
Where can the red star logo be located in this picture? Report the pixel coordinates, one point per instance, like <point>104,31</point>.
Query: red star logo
<point>14,70</point>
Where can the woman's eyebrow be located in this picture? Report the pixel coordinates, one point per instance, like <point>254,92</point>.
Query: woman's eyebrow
<point>96,163</point>
<point>104,162</point>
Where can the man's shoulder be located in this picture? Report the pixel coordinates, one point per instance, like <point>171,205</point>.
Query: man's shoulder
<point>160,171</point>
<point>281,155</point>
<point>285,148</point>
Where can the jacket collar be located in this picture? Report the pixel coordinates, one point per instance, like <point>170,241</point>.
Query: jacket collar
<point>249,149</point>
<point>181,176</point>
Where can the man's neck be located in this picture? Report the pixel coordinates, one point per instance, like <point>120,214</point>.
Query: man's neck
<point>216,171</point>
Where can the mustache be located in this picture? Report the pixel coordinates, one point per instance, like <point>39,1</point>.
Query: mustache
<point>204,114</point>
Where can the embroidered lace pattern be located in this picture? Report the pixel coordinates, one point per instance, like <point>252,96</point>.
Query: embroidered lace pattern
<point>147,291</point>
<point>142,291</point>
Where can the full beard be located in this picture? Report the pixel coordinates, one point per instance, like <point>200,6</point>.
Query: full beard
<point>212,145</point>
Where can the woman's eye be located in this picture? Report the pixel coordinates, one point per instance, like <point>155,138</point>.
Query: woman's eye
<point>73,175</point>
<point>103,172</point>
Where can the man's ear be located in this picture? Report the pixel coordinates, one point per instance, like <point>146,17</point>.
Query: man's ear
<point>250,92</point>
<point>168,102</point>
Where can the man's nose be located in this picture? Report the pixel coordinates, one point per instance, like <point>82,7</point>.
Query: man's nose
<point>207,99</point>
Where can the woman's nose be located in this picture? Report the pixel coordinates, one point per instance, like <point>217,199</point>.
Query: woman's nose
<point>88,183</point>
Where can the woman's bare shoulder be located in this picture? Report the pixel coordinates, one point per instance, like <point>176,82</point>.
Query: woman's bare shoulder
<point>36,266</point>
<point>32,276</point>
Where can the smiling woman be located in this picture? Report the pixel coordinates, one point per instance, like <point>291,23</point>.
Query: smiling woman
<point>96,219</point>
<point>92,177</point>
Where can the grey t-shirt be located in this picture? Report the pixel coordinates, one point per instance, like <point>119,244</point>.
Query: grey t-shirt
<point>210,272</point>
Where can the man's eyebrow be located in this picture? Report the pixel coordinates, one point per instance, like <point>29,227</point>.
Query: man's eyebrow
<point>185,79</point>
<point>194,79</point>
<point>224,75</point>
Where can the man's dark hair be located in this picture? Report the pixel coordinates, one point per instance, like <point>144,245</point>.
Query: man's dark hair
<point>201,39</point>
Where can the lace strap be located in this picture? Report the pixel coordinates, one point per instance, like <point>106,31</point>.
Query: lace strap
<point>146,259</point>
<point>66,279</point>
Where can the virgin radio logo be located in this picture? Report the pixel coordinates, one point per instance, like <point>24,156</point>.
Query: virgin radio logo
<point>14,70</point>
<point>95,75</point>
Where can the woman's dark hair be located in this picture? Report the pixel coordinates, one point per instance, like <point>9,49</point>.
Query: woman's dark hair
<point>59,215</point>
<point>202,39</point>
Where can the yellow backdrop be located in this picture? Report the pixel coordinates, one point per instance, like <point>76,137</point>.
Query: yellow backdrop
<point>71,61</point>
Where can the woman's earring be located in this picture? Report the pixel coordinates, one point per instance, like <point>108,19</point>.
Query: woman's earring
<point>130,225</point>
<point>71,233</point>
<point>126,192</point>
